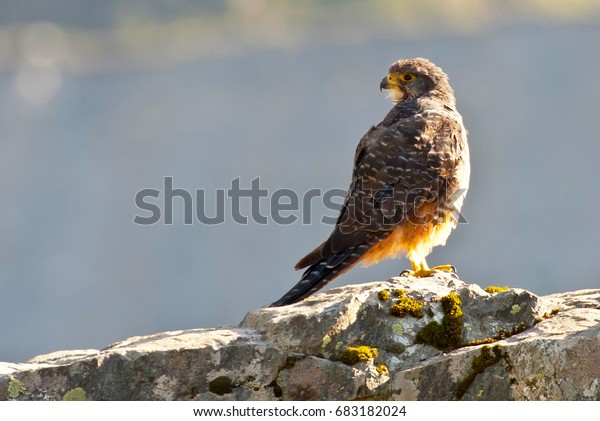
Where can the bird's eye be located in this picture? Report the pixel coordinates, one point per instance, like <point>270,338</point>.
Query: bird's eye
<point>408,77</point>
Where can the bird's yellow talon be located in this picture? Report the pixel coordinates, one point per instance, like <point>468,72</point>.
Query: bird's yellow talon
<point>445,268</point>
<point>422,271</point>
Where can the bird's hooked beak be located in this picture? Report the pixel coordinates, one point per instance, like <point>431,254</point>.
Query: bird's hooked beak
<point>385,84</point>
<point>393,89</point>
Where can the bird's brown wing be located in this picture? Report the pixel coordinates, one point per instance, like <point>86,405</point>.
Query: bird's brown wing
<point>398,165</point>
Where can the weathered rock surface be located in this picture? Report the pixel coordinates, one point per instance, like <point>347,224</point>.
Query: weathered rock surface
<point>508,345</point>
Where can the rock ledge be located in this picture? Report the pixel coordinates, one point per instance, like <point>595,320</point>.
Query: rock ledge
<point>512,345</point>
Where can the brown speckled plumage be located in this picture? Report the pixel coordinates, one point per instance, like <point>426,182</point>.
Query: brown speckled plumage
<point>410,176</point>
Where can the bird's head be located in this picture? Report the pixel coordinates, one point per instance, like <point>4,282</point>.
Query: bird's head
<point>415,77</point>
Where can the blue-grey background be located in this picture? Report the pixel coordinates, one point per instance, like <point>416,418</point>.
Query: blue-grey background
<point>102,99</point>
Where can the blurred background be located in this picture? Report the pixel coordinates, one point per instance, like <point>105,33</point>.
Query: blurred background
<point>100,100</point>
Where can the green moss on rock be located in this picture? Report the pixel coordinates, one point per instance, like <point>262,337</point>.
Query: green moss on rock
<point>277,390</point>
<point>221,385</point>
<point>353,355</point>
<point>487,358</point>
<point>406,306</point>
<point>448,334</point>
<point>76,394</point>
<point>503,334</point>
<point>453,318</point>
<point>432,334</point>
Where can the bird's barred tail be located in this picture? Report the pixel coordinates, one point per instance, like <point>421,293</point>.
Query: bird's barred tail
<point>323,272</point>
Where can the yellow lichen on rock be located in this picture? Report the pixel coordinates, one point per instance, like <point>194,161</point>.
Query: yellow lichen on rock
<point>383,370</point>
<point>406,306</point>
<point>353,355</point>
<point>15,388</point>
<point>75,394</point>
<point>383,295</point>
<point>494,289</point>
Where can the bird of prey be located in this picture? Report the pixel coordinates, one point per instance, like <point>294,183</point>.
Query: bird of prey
<point>410,177</point>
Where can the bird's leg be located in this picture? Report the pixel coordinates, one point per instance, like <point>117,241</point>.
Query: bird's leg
<point>420,269</point>
<point>419,265</point>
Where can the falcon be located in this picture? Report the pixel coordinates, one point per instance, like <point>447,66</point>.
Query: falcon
<point>410,177</point>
